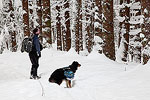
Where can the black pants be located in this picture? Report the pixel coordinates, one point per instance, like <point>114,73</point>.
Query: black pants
<point>35,62</point>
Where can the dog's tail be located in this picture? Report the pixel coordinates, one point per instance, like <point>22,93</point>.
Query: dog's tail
<point>51,80</point>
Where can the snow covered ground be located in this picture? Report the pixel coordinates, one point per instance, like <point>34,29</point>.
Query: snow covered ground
<point>97,79</point>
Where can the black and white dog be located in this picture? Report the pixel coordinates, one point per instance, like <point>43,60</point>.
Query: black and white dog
<point>65,73</point>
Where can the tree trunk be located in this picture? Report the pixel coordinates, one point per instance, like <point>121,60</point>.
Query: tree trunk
<point>89,25</point>
<point>46,21</point>
<point>98,28</point>
<point>26,17</point>
<point>31,16</point>
<point>78,30</point>
<point>12,31</point>
<point>67,34</point>
<point>108,29</point>
<point>58,27</point>
<point>39,13</point>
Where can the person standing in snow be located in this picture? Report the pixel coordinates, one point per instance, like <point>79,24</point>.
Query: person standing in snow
<point>35,54</point>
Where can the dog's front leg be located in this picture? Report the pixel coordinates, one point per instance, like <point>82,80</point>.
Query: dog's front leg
<point>68,83</point>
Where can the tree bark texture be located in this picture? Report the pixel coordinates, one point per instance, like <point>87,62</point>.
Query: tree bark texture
<point>108,31</point>
<point>26,17</point>
<point>46,25</point>
<point>78,30</point>
<point>67,35</point>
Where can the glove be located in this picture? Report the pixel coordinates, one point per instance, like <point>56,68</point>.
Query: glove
<point>39,54</point>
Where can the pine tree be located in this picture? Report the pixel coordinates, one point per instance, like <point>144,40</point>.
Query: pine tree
<point>135,31</point>
<point>123,36</point>
<point>145,36</point>
<point>1,34</point>
<point>12,28</point>
<point>124,29</point>
<point>18,15</point>
<point>9,26</point>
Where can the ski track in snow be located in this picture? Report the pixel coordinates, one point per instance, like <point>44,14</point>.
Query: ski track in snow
<point>98,78</point>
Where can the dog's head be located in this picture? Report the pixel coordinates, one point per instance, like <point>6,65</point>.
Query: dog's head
<point>76,64</point>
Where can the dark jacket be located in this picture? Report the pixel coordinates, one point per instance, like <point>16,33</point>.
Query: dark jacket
<point>36,44</point>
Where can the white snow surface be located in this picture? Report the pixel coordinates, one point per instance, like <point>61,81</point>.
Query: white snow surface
<point>1,6</point>
<point>97,79</point>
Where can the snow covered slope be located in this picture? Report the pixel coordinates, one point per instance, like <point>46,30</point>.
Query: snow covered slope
<point>97,79</point>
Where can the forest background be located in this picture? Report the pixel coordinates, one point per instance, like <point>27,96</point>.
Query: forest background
<point>120,29</point>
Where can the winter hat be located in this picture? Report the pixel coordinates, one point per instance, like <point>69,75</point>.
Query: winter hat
<point>35,30</point>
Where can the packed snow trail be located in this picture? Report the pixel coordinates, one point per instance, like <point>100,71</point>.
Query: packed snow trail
<point>98,78</point>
